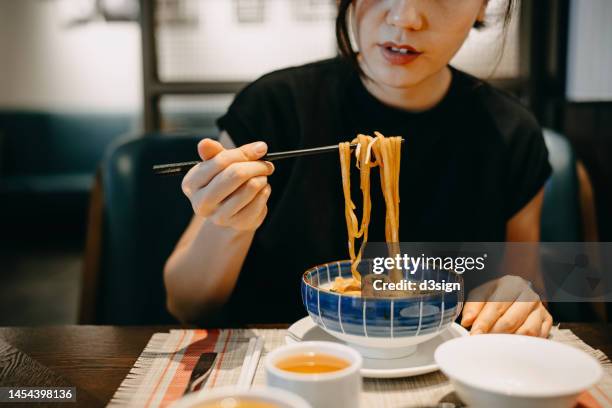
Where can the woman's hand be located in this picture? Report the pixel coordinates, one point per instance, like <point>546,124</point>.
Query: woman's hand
<point>506,305</point>
<point>230,187</point>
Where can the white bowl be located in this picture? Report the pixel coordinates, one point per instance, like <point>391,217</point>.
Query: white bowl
<point>509,370</point>
<point>274,396</point>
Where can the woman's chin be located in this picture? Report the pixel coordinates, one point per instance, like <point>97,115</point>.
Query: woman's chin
<point>397,77</point>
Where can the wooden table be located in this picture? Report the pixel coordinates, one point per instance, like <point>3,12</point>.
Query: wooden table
<point>95,359</point>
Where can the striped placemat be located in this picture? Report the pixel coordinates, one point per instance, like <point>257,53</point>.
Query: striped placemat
<point>161,373</point>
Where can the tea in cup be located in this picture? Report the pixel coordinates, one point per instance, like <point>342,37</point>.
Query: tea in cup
<point>325,374</point>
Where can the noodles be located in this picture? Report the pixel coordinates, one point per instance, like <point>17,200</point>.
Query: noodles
<point>362,152</point>
<point>387,152</point>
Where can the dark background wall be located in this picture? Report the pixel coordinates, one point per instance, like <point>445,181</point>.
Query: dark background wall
<point>589,127</point>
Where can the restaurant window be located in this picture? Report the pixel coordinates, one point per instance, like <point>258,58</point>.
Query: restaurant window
<point>487,53</point>
<point>240,40</point>
<point>193,113</point>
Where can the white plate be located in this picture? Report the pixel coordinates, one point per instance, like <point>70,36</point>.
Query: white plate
<point>421,362</point>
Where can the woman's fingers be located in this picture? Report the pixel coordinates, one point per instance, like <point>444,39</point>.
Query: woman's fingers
<point>206,200</point>
<point>507,291</point>
<point>475,302</point>
<point>533,325</point>
<point>230,186</point>
<point>506,305</point>
<point>470,312</point>
<point>241,197</point>
<point>547,324</point>
<point>488,316</point>
<point>251,216</point>
<point>203,173</point>
<point>516,314</point>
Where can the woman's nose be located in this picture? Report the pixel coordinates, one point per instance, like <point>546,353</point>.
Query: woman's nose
<point>406,14</point>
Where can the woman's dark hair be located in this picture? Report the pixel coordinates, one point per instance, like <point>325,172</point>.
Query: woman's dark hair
<point>344,39</point>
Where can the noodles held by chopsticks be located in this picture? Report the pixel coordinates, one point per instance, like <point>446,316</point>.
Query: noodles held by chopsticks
<point>387,154</point>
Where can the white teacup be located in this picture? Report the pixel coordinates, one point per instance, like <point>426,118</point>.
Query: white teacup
<point>231,396</point>
<point>334,389</point>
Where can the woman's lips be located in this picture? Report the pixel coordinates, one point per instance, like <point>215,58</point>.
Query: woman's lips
<point>399,54</point>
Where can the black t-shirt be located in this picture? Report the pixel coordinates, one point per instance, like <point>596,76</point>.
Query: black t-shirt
<point>468,165</point>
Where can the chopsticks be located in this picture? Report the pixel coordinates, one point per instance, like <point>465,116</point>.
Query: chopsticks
<point>171,169</point>
<point>182,168</point>
<point>251,360</point>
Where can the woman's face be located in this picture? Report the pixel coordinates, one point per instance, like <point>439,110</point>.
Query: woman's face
<point>403,42</point>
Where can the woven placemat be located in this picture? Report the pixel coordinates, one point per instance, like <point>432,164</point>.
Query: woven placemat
<point>162,371</point>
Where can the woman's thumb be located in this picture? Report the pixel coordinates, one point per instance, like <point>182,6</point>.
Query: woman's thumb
<point>208,148</point>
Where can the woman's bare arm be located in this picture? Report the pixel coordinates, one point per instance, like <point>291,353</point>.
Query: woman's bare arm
<point>525,225</point>
<point>229,192</point>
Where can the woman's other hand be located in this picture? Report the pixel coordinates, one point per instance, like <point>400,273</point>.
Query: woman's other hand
<point>230,186</point>
<point>506,305</point>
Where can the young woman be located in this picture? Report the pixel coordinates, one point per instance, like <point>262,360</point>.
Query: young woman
<point>473,167</point>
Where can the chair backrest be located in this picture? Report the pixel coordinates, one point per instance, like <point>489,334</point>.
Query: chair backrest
<point>561,216</point>
<point>54,142</point>
<point>143,218</point>
<point>561,210</point>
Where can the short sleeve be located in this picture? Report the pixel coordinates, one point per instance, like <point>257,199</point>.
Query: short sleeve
<point>261,111</point>
<point>528,167</point>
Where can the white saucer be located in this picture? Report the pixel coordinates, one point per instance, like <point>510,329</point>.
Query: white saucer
<point>421,362</point>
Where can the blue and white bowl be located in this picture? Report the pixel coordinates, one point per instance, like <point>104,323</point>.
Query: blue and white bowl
<point>380,327</point>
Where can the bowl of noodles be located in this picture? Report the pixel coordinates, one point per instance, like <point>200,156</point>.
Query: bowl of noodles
<point>379,325</point>
<point>340,296</point>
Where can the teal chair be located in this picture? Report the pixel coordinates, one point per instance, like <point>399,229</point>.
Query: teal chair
<point>134,223</point>
<point>561,208</point>
<point>561,214</point>
<point>47,166</point>
<point>142,217</point>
